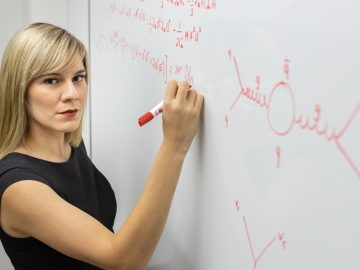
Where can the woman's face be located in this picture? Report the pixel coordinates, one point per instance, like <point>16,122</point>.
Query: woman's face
<point>56,100</point>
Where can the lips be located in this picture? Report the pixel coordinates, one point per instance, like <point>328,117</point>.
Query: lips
<point>69,113</point>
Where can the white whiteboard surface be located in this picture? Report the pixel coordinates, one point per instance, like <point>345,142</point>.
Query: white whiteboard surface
<point>258,190</point>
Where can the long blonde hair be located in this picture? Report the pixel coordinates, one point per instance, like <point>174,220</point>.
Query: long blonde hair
<point>34,50</point>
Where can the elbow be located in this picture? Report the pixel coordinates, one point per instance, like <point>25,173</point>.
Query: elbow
<point>127,266</point>
<point>127,258</point>
<point>131,264</point>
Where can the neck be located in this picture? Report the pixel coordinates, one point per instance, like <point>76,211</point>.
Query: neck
<point>45,144</point>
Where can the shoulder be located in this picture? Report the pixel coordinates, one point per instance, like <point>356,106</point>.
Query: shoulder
<point>17,164</point>
<point>14,175</point>
<point>16,167</point>
<point>11,161</point>
<point>20,200</point>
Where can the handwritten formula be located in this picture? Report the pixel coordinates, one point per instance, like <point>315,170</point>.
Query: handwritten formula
<point>159,64</point>
<point>163,25</point>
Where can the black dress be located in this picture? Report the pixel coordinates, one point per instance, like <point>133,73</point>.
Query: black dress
<point>78,182</point>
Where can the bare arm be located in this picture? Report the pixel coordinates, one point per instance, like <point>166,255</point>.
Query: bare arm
<point>33,208</point>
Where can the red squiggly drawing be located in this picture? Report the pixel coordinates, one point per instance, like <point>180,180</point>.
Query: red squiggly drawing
<point>262,101</point>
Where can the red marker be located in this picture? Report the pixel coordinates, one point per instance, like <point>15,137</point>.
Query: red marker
<point>154,112</point>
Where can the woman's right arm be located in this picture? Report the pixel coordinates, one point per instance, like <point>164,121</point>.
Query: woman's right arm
<point>35,209</point>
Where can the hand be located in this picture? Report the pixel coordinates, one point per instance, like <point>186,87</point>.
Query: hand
<point>181,113</point>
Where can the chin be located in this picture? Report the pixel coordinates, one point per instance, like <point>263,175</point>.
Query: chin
<point>69,127</point>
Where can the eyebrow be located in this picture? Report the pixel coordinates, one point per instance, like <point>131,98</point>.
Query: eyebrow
<point>58,74</point>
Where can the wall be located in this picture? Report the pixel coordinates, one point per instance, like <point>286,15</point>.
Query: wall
<point>71,15</point>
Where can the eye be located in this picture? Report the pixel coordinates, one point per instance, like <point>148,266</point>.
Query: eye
<point>50,81</point>
<point>79,78</point>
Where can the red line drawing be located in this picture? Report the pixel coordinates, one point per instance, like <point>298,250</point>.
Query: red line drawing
<point>226,119</point>
<point>237,70</point>
<point>237,205</point>
<point>278,152</point>
<point>97,43</point>
<point>337,137</point>
<point>257,97</point>
<point>252,252</point>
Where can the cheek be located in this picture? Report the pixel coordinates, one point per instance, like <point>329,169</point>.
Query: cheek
<point>82,91</point>
<point>42,104</point>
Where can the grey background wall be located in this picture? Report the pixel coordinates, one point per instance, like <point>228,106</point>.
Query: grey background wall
<point>71,15</point>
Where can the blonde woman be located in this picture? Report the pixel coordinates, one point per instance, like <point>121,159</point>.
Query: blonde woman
<point>56,209</point>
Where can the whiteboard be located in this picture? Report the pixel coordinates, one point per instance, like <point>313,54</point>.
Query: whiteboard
<point>272,180</point>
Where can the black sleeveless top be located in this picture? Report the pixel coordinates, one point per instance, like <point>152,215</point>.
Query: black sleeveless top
<point>78,182</point>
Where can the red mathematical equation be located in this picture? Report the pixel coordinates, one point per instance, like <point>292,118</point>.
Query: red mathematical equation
<point>157,23</point>
<point>159,64</point>
<point>300,120</point>
<point>192,4</point>
<point>256,260</point>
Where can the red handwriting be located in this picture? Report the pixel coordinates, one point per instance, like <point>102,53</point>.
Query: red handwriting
<point>281,236</point>
<point>226,120</point>
<point>252,252</point>
<point>278,151</point>
<point>200,4</point>
<point>157,23</point>
<point>237,205</point>
<point>307,124</point>
<point>159,64</point>
<point>286,68</point>
<point>188,76</point>
<point>188,36</point>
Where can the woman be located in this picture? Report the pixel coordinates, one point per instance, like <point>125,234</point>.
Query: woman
<point>56,209</point>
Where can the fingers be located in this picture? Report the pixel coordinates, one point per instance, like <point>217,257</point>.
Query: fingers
<point>182,93</point>
<point>182,90</point>
<point>199,102</point>
<point>191,97</point>
<point>171,89</point>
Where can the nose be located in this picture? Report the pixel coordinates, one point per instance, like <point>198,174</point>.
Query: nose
<point>70,93</point>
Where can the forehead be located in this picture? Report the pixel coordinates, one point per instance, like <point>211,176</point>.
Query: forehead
<point>73,65</point>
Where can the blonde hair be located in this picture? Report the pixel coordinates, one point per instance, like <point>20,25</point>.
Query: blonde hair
<point>34,50</point>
